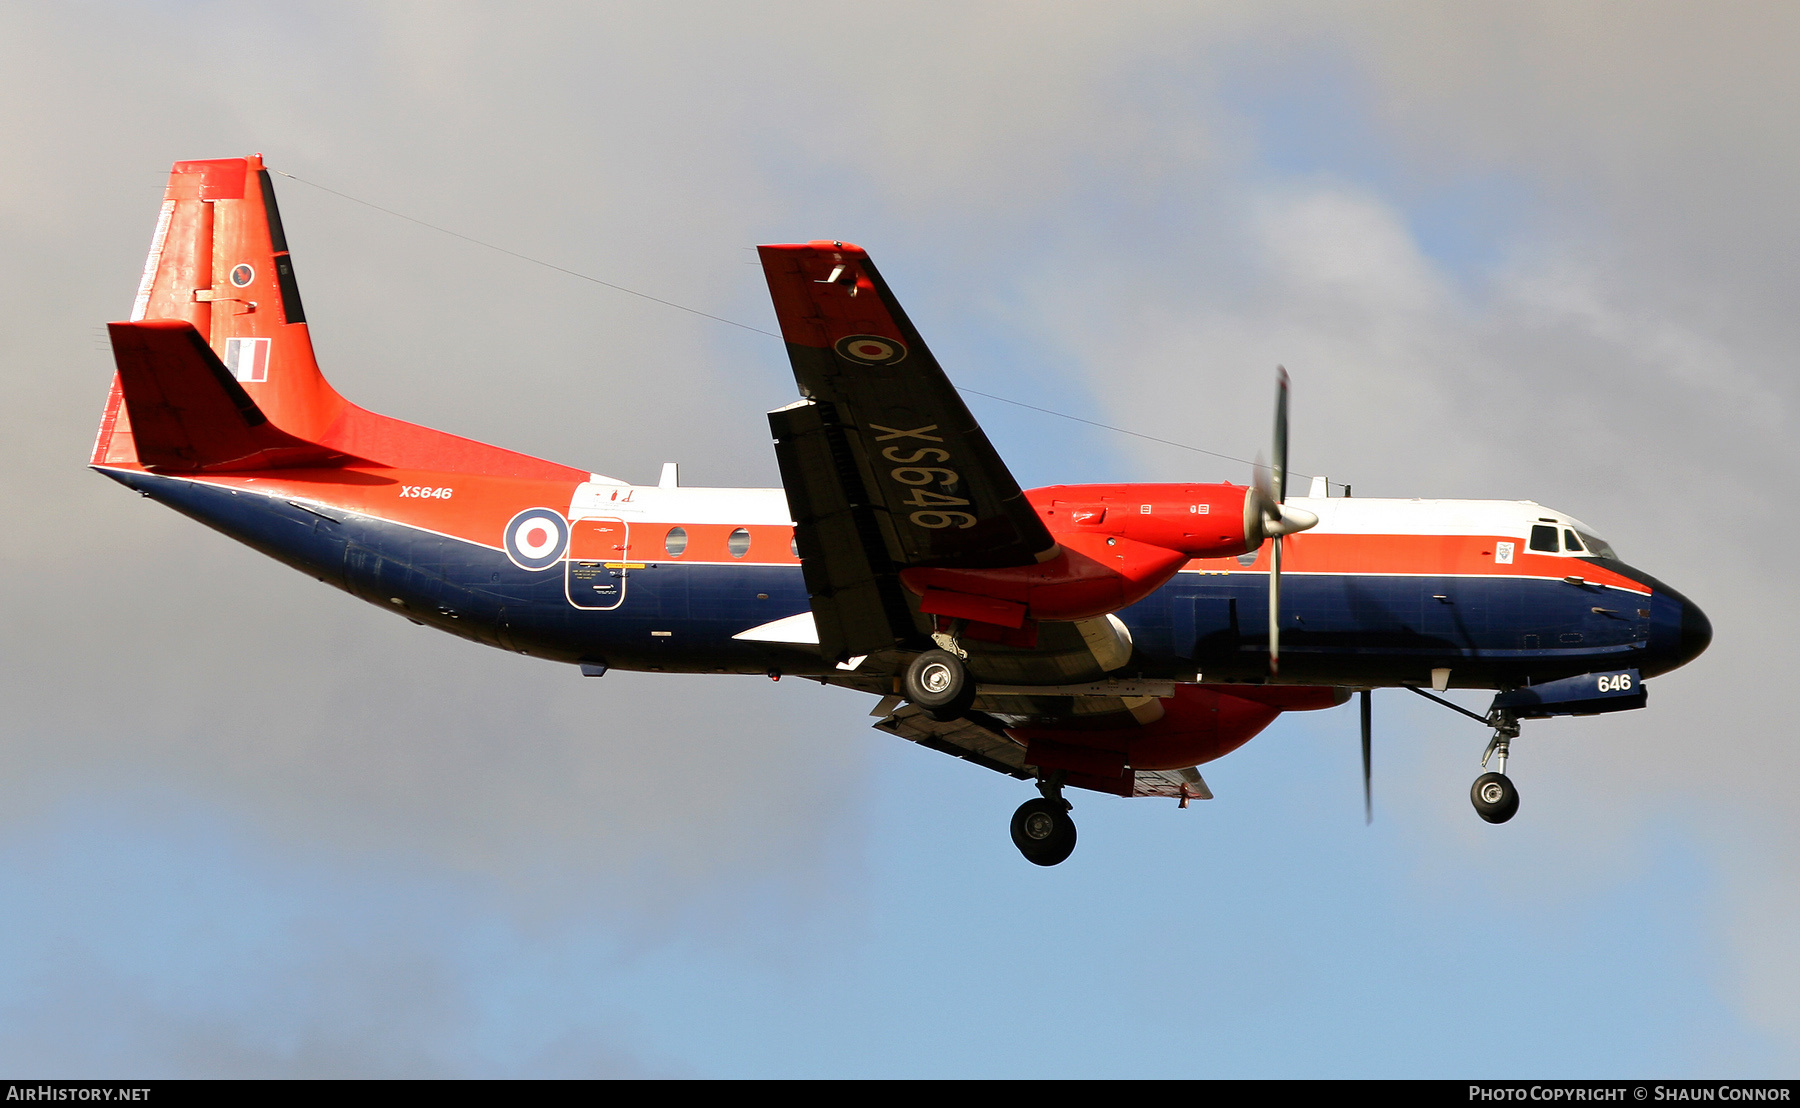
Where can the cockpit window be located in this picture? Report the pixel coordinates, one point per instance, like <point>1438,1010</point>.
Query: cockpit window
<point>1543,538</point>
<point>1598,547</point>
<point>1570,542</point>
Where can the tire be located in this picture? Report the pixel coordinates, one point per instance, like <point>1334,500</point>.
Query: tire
<point>1043,832</point>
<point>1494,797</point>
<point>938,682</point>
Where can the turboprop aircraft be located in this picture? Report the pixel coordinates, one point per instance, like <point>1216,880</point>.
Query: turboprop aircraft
<point>1103,637</point>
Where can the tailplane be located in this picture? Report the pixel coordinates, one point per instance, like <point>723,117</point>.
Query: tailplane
<point>189,413</point>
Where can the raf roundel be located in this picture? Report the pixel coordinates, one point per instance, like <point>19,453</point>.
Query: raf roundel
<point>242,275</point>
<point>536,538</point>
<point>871,349</point>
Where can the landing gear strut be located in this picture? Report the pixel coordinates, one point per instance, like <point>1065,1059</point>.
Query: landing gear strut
<point>1493,794</point>
<point>1041,828</point>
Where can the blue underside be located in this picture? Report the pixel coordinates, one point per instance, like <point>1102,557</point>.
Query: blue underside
<point>1343,629</point>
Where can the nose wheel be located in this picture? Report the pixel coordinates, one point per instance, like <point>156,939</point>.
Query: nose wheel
<point>1494,797</point>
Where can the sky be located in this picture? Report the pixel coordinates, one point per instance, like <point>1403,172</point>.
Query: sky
<point>251,826</point>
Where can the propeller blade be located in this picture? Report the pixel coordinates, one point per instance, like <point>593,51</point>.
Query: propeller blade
<point>1275,606</point>
<point>1281,434</point>
<point>1367,732</point>
<point>1264,484</point>
<point>1272,488</point>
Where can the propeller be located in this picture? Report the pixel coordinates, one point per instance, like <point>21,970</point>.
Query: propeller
<point>1367,731</point>
<point>1278,519</point>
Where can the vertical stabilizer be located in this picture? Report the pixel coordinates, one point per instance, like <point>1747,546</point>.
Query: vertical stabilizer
<point>219,261</point>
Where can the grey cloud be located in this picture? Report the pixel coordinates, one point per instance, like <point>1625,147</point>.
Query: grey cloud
<point>1074,179</point>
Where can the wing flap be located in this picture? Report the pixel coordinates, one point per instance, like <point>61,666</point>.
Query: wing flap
<point>1178,784</point>
<point>859,605</point>
<point>970,738</point>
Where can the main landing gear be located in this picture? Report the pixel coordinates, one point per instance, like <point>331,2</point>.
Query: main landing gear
<point>1041,828</point>
<point>938,682</point>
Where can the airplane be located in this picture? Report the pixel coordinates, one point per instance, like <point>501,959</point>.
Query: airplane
<point>1103,637</point>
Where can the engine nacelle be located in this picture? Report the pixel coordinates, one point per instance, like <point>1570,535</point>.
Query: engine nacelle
<point>1117,544</point>
<point>1200,521</point>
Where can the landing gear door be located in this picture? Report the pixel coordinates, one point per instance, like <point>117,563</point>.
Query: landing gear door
<point>597,568</point>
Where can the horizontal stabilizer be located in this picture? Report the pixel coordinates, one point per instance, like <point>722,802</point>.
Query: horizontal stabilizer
<point>188,412</point>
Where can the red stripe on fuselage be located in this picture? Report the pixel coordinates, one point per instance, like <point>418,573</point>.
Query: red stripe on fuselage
<point>1417,556</point>
<point>477,509</point>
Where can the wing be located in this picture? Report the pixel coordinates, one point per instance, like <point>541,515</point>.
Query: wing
<point>983,740</point>
<point>884,467</point>
<point>1118,743</point>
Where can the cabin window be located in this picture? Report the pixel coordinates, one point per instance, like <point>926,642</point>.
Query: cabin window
<point>1543,538</point>
<point>738,543</point>
<point>1571,543</point>
<point>675,542</point>
<point>794,545</point>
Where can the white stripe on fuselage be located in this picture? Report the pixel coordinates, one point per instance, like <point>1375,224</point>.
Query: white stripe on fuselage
<point>1358,515</point>
<point>1337,515</point>
<point>655,504</point>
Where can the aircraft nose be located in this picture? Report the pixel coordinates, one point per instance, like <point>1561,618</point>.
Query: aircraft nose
<point>1696,632</point>
<point>1679,630</point>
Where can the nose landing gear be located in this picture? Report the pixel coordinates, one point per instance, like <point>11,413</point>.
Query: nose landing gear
<point>1493,794</point>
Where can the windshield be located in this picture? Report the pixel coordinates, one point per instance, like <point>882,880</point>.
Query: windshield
<point>1597,546</point>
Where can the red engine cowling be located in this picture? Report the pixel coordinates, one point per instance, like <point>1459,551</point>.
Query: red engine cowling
<point>1199,723</point>
<point>1117,544</point>
<point>1201,521</point>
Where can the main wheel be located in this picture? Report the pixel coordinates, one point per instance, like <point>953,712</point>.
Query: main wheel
<point>938,682</point>
<point>1043,832</point>
<point>1494,797</point>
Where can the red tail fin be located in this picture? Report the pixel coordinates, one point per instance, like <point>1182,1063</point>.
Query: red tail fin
<point>220,261</point>
<point>219,264</point>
